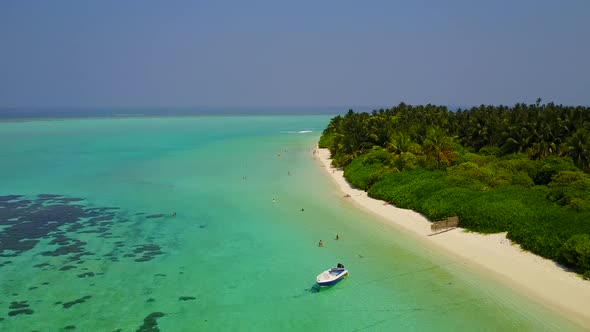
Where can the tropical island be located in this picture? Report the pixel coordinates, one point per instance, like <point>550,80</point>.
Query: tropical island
<point>521,169</point>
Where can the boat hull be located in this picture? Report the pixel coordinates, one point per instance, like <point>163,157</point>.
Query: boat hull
<point>330,283</point>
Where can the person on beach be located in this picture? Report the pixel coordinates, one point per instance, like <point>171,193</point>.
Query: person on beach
<point>321,244</point>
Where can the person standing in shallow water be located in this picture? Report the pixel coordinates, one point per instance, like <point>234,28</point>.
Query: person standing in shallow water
<point>337,237</point>
<point>321,244</point>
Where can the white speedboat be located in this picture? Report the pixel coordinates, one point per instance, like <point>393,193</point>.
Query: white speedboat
<point>332,276</point>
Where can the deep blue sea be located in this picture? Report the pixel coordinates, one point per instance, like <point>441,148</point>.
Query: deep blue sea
<point>148,220</point>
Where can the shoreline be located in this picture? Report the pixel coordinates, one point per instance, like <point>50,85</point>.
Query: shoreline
<point>528,274</point>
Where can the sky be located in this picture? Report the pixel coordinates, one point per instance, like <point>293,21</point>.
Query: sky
<point>292,53</point>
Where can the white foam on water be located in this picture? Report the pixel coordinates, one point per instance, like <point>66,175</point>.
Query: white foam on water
<point>296,132</point>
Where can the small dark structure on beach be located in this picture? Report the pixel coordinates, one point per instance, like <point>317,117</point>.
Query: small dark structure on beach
<point>445,224</point>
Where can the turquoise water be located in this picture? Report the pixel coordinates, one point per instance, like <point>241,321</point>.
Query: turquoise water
<point>230,259</point>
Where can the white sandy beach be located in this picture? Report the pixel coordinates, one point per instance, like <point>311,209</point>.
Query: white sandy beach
<point>529,274</point>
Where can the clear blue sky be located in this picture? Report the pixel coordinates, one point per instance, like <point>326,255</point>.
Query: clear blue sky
<point>293,53</point>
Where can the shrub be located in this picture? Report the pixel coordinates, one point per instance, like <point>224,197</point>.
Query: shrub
<point>447,202</point>
<point>522,179</point>
<point>549,167</point>
<point>467,173</point>
<point>326,140</point>
<point>570,189</point>
<point>515,163</point>
<point>367,169</point>
<point>490,151</point>
<point>400,188</point>
<point>576,253</point>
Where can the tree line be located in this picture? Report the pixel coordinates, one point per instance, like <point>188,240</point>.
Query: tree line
<point>520,169</point>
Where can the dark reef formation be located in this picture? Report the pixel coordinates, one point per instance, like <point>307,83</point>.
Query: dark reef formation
<point>150,323</point>
<point>186,298</point>
<point>19,308</point>
<point>57,221</point>
<point>68,305</point>
<point>59,229</point>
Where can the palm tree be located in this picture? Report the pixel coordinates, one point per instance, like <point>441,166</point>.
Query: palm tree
<point>401,142</point>
<point>353,137</point>
<point>439,146</point>
<point>578,147</point>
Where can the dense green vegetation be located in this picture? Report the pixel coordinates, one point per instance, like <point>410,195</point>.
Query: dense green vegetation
<point>521,169</point>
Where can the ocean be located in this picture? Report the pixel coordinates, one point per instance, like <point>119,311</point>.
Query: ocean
<point>211,223</point>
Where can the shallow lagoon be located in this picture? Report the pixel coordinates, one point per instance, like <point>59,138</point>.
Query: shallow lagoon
<point>100,249</point>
